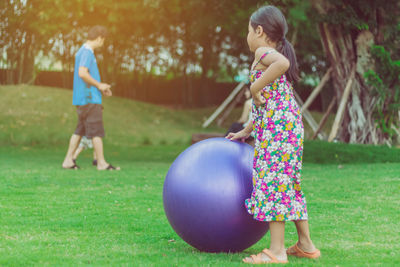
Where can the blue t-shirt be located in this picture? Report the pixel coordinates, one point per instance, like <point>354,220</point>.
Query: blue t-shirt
<point>84,93</point>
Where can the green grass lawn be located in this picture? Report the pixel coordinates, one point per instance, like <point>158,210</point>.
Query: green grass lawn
<point>51,216</point>
<point>36,115</point>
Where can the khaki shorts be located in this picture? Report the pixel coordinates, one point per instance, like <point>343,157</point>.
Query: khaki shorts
<point>90,121</point>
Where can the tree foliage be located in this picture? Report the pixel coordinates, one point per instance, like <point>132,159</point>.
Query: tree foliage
<point>169,37</point>
<point>361,35</point>
<point>385,81</point>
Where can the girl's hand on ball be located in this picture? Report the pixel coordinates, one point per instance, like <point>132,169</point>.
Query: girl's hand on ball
<point>242,136</point>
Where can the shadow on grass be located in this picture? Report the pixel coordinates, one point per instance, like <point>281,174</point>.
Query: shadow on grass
<point>336,153</point>
<point>318,152</point>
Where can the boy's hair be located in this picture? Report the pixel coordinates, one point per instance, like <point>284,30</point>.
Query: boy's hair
<point>274,25</point>
<point>97,31</point>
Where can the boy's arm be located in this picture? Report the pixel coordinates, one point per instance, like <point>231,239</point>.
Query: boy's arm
<point>86,77</point>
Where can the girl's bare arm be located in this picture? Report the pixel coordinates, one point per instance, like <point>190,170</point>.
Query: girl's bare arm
<point>275,65</point>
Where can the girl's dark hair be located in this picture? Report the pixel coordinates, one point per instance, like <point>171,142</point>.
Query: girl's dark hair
<point>97,31</point>
<point>274,25</point>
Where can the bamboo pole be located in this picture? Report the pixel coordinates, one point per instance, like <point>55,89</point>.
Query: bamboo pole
<point>230,107</point>
<point>317,90</point>
<point>223,105</point>
<point>342,105</point>
<point>308,117</point>
<point>325,117</point>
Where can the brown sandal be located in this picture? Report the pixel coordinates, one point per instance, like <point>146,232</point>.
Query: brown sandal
<point>73,167</point>
<point>257,259</point>
<point>298,252</point>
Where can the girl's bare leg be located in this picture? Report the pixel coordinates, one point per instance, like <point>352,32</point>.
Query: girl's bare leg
<point>277,246</point>
<point>303,231</point>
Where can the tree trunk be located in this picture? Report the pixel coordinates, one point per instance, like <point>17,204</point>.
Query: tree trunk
<point>185,92</point>
<point>10,70</point>
<point>26,61</point>
<point>344,52</point>
<point>28,75</point>
<point>20,65</point>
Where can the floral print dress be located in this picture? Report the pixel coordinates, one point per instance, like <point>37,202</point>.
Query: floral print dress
<point>278,132</point>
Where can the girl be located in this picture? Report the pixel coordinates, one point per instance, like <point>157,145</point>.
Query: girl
<point>278,131</point>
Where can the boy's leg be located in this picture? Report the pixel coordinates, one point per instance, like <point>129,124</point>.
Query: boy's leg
<point>94,162</point>
<point>96,132</point>
<point>76,137</point>
<point>98,149</point>
<point>77,152</point>
<point>73,144</point>
<point>303,231</point>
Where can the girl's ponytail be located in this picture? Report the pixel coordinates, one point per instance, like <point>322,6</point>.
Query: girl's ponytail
<point>274,25</point>
<point>287,50</point>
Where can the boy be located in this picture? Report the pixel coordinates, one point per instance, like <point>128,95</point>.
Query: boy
<point>87,97</point>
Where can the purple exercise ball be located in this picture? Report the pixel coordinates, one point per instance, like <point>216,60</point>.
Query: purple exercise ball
<point>204,194</point>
